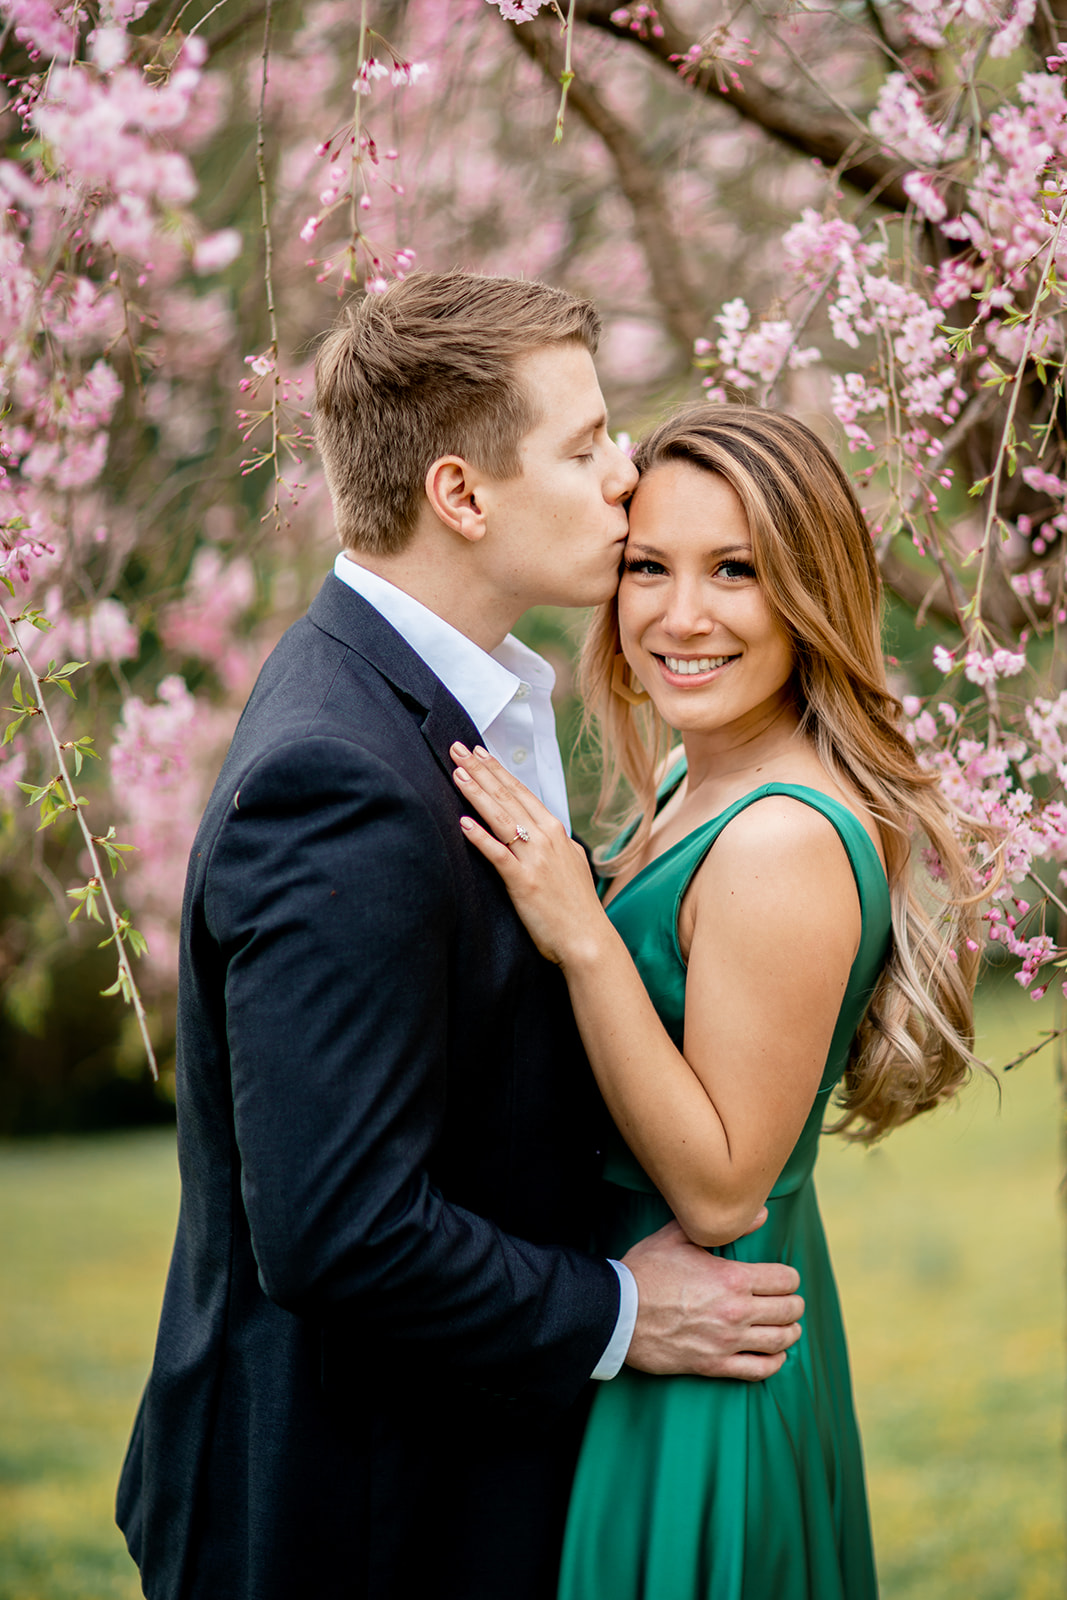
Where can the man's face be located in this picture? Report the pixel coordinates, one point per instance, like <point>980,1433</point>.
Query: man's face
<point>554,534</point>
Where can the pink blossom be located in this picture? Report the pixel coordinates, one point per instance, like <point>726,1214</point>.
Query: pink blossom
<point>408,72</point>
<point>109,47</point>
<point>158,789</point>
<point>925,21</point>
<point>1044,482</point>
<point>813,245</point>
<point>518,10</point>
<point>216,250</point>
<point>921,189</point>
<point>44,27</point>
<point>900,121</point>
<point>201,623</point>
<point>987,669</point>
<point>1010,33</point>
<point>106,633</point>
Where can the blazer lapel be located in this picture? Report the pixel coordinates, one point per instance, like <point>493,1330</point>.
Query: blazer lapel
<point>347,617</point>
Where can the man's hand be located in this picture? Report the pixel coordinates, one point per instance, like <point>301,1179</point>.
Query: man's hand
<point>700,1314</point>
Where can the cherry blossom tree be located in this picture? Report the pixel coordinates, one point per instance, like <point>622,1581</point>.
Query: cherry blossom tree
<point>858,214</point>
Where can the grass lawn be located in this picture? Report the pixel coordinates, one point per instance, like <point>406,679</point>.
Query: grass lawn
<point>948,1247</point>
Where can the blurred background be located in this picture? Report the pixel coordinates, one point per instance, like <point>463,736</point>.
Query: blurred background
<point>177,567</point>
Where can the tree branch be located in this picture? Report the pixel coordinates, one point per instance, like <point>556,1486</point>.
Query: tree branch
<point>684,314</point>
<point>826,136</point>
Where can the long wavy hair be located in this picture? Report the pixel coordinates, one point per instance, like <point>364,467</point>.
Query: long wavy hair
<point>813,557</point>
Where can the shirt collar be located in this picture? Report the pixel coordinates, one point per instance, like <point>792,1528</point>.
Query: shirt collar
<point>482,683</point>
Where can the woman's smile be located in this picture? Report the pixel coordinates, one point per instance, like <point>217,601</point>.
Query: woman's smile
<point>691,672</point>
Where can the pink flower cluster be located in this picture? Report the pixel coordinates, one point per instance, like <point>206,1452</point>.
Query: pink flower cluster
<point>203,622</point>
<point>749,354</point>
<point>162,759</point>
<point>1000,203</point>
<point>986,779</point>
<point>89,231</point>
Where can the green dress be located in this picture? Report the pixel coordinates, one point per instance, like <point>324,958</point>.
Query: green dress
<point>716,1489</point>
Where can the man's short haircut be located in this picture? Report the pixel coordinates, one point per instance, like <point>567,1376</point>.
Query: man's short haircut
<point>424,370</point>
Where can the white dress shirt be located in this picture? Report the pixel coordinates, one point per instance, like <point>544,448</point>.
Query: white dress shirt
<point>508,697</point>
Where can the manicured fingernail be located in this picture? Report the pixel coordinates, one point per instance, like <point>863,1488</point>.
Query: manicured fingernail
<point>480,750</point>
<point>467,824</point>
<point>461,776</point>
<point>460,749</point>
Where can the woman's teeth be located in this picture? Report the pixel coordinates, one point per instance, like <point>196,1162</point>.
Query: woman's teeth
<point>684,665</point>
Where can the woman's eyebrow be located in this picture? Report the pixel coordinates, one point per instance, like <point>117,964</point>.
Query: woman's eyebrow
<point>716,553</point>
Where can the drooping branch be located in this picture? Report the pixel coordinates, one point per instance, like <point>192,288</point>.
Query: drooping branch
<point>683,313</point>
<point>824,135</point>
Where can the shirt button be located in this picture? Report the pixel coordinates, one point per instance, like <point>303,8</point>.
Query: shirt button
<point>522,692</point>
<point>519,756</point>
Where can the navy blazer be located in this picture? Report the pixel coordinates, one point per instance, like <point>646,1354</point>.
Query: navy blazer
<point>380,1313</point>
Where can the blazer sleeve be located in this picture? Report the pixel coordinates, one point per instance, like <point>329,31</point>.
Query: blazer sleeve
<point>329,898</point>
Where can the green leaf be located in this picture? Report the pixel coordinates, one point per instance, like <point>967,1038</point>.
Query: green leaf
<point>137,942</point>
<point>120,984</point>
<point>87,901</point>
<point>11,730</point>
<point>37,794</point>
<point>112,848</point>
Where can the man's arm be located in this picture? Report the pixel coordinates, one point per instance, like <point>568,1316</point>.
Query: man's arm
<point>329,895</point>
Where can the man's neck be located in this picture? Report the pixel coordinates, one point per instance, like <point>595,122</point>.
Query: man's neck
<point>453,590</point>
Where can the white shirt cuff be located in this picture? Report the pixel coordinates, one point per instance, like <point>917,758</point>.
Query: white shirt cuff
<point>615,1354</point>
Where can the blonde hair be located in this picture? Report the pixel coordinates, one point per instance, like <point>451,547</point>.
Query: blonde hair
<point>813,556</point>
<point>424,370</point>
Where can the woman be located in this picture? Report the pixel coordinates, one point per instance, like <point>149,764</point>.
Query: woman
<point>762,943</point>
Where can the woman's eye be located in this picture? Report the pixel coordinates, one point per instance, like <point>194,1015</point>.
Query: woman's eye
<point>736,570</point>
<point>649,568</point>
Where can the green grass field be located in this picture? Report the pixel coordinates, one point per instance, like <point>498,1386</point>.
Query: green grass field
<point>947,1242</point>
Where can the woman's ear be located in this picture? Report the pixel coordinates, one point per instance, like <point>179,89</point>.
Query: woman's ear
<point>452,491</point>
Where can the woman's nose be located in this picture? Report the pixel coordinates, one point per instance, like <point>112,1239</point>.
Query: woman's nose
<point>686,613</point>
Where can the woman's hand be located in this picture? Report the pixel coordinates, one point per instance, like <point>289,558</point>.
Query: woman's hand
<point>545,871</point>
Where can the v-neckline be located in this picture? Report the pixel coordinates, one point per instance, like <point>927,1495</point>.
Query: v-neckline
<point>662,799</point>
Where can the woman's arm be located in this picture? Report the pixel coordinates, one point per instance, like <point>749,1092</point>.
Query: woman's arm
<point>772,921</point>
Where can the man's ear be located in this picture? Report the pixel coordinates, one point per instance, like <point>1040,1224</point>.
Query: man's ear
<point>451,489</point>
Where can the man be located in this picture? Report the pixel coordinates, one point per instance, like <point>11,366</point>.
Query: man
<point>381,1315</point>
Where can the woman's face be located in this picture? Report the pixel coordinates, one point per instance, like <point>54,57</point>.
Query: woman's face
<point>694,622</point>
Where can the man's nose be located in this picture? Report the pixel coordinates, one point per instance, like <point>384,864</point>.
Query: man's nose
<point>624,475</point>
